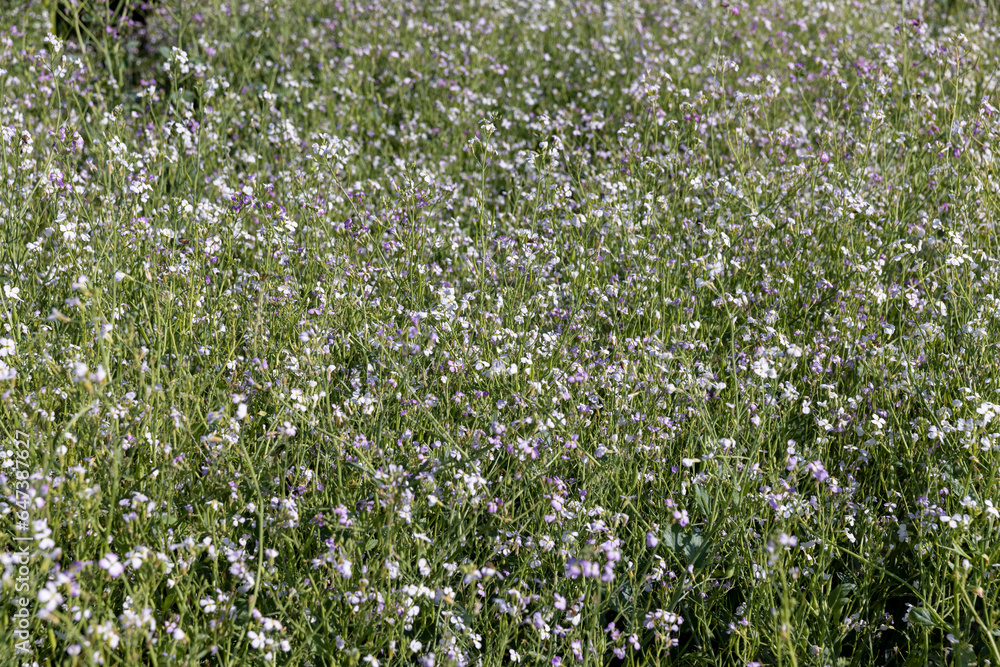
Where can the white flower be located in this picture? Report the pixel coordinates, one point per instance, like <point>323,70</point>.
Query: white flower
<point>7,348</point>
<point>57,44</point>
<point>111,564</point>
<point>415,646</point>
<point>80,370</point>
<point>180,57</point>
<point>991,510</point>
<point>762,368</point>
<point>256,640</point>
<point>49,596</point>
<point>498,367</point>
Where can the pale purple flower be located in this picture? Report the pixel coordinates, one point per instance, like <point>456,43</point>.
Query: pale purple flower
<point>111,565</point>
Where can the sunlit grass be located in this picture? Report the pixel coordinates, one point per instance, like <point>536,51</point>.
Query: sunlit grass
<point>476,333</point>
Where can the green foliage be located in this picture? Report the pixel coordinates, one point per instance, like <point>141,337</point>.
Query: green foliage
<point>386,333</point>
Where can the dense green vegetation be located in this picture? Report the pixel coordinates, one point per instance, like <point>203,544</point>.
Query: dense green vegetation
<point>466,333</point>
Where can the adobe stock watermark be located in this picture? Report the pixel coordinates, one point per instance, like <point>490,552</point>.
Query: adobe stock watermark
<point>23,539</point>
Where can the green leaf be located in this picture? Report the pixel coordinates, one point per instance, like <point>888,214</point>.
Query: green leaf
<point>921,616</point>
<point>673,538</point>
<point>167,603</point>
<point>703,501</point>
<point>693,547</point>
<point>839,599</point>
<point>964,655</point>
<point>688,544</point>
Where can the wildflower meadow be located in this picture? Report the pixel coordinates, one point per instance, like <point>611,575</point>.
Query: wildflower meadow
<point>485,332</point>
